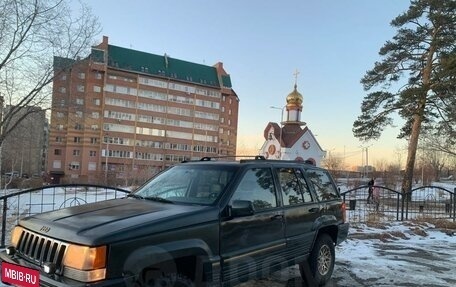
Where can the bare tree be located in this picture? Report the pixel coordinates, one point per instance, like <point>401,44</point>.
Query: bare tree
<point>333,163</point>
<point>32,32</point>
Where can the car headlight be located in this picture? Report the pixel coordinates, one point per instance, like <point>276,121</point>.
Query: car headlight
<point>16,235</point>
<point>84,263</point>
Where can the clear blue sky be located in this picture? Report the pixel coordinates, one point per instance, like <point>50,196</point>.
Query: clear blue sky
<point>261,43</point>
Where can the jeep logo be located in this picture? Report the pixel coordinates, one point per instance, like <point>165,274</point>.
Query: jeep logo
<point>45,229</point>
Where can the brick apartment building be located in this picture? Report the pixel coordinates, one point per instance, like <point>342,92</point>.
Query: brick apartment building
<point>121,115</point>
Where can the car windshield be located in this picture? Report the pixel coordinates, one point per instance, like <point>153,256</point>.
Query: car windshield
<point>187,184</point>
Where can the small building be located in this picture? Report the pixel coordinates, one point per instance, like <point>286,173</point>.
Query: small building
<point>292,139</point>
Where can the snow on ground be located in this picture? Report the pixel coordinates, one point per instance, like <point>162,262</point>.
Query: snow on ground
<point>397,254</point>
<point>387,254</point>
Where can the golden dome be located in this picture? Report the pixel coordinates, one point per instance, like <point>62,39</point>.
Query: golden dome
<point>294,98</point>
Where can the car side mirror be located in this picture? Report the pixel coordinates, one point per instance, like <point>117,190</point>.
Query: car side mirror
<point>241,208</point>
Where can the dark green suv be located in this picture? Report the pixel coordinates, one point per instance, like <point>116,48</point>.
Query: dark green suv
<point>205,223</point>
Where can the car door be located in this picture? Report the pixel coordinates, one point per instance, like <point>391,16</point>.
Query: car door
<point>301,210</point>
<point>252,242</point>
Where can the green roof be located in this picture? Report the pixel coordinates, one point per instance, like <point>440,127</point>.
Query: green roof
<point>97,55</point>
<point>164,66</point>
<point>226,81</point>
<point>61,63</point>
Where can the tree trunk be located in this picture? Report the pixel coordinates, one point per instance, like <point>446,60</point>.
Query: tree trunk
<point>412,147</point>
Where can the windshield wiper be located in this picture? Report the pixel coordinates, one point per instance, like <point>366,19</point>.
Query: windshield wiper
<point>159,199</point>
<point>134,195</point>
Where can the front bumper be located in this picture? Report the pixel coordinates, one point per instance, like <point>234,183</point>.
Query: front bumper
<point>47,280</point>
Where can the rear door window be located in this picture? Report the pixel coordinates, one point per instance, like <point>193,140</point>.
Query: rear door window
<point>294,188</point>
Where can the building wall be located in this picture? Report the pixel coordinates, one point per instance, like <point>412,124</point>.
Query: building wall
<point>133,122</point>
<point>23,147</point>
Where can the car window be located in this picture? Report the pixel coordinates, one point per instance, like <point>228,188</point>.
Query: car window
<point>322,184</point>
<point>188,184</point>
<point>289,184</point>
<point>257,186</point>
<point>305,188</point>
<point>294,187</point>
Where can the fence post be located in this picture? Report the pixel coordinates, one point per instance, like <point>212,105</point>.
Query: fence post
<point>403,203</point>
<point>5,202</point>
<point>397,206</point>
<point>454,205</point>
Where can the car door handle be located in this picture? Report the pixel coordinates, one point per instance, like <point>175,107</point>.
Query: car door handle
<point>277,216</point>
<point>314,210</point>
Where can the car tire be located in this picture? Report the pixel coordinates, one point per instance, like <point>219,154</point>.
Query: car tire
<point>157,278</point>
<point>321,260</point>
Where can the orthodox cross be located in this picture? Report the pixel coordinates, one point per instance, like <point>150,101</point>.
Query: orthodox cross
<point>296,73</point>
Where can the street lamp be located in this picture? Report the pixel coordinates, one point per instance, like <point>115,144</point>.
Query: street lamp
<point>281,125</point>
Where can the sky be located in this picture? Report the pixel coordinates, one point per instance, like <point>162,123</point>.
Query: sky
<point>261,44</point>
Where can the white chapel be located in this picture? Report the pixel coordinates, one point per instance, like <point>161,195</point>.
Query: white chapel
<point>292,139</point>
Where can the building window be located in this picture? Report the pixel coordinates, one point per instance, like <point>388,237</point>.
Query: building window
<point>59,127</point>
<point>77,139</point>
<point>95,115</point>
<point>57,151</point>
<point>96,102</point>
<point>223,109</point>
<point>92,166</point>
<point>76,152</point>
<point>93,140</point>
<point>92,153</point>
<point>97,89</point>
<point>79,101</point>
<point>60,114</point>
<point>63,77</point>
<point>223,98</point>
<point>74,165</point>
<point>80,88</point>
<point>94,127</point>
<point>57,164</point>
<point>81,76</point>
<point>58,139</point>
<point>222,120</point>
<point>78,114</point>
<point>97,75</point>
<point>229,112</point>
<point>62,90</point>
<point>78,127</point>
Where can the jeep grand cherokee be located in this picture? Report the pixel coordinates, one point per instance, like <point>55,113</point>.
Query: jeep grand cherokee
<point>205,223</point>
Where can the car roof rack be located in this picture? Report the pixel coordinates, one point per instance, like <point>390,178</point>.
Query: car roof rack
<point>210,158</point>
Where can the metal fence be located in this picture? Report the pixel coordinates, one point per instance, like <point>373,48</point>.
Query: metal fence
<point>22,203</point>
<point>390,205</point>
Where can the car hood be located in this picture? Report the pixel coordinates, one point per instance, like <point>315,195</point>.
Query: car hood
<point>116,220</point>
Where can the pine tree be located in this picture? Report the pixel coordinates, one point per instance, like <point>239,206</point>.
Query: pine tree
<point>421,59</point>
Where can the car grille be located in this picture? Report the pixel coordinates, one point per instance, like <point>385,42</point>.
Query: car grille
<point>40,249</point>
